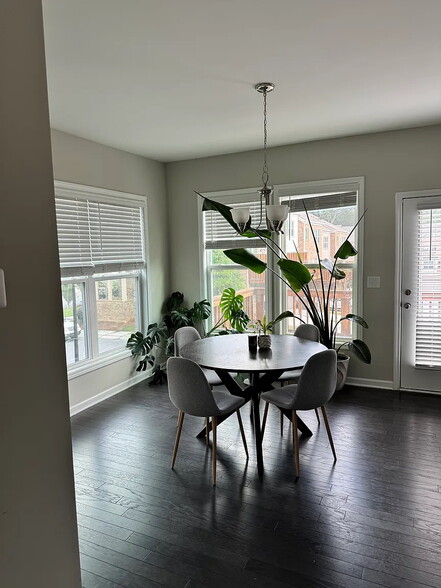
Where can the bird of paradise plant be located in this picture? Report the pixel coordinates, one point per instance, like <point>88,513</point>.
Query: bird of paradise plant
<point>317,296</point>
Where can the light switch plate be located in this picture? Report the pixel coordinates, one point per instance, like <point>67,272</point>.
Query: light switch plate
<point>2,289</point>
<point>373,281</point>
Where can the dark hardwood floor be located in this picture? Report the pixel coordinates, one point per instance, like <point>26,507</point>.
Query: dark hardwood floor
<point>372,519</point>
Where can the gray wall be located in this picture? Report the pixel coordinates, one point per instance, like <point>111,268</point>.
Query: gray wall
<point>38,526</point>
<point>85,162</point>
<point>390,162</point>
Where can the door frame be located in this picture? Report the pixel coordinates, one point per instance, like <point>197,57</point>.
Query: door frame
<point>399,200</point>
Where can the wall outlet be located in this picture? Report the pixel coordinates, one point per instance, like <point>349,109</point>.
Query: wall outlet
<point>373,281</point>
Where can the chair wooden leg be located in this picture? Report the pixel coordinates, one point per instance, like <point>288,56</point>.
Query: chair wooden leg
<point>328,430</point>
<point>207,430</point>
<point>317,415</point>
<point>295,442</point>
<point>213,448</point>
<point>281,414</point>
<point>265,416</point>
<point>242,432</point>
<point>178,436</point>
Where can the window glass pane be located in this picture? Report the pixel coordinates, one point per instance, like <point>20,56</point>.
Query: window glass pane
<point>330,227</point>
<point>343,302</point>
<point>74,322</point>
<point>245,282</point>
<point>116,306</point>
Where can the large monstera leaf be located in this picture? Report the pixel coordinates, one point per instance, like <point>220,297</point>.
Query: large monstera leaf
<point>297,274</point>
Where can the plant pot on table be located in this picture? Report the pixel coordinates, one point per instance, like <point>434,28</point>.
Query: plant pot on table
<point>264,341</point>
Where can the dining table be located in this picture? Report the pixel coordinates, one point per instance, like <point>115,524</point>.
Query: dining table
<point>229,354</point>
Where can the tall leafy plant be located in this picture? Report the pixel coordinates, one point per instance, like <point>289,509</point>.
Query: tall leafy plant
<point>317,296</point>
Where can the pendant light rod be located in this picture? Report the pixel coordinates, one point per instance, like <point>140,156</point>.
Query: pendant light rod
<point>264,88</point>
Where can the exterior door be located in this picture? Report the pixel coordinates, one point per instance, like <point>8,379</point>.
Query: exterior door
<point>420,352</point>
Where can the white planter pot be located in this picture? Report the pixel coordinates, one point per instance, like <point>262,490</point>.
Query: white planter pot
<point>264,341</point>
<point>342,370</point>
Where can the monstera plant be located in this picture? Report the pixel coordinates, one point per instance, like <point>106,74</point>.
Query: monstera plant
<point>315,292</point>
<point>157,343</point>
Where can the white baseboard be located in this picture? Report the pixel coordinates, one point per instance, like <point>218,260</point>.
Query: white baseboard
<point>368,383</point>
<point>139,377</point>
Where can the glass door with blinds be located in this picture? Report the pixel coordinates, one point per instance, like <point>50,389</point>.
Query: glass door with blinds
<point>420,312</point>
<point>221,272</point>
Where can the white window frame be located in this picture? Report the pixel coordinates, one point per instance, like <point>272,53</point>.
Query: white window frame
<point>71,190</point>
<point>350,184</point>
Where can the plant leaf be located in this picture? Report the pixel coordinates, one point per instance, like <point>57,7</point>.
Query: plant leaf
<point>335,272</point>
<point>360,350</point>
<point>138,344</point>
<point>283,315</point>
<point>180,318</point>
<point>295,273</point>
<point>225,211</point>
<point>247,259</point>
<point>345,250</point>
<point>201,310</point>
<point>356,319</point>
<point>222,209</point>
<point>231,305</point>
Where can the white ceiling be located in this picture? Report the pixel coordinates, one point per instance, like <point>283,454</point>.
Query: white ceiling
<point>174,79</point>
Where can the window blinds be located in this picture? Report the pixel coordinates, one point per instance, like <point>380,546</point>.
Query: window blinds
<point>96,237</point>
<point>428,311</point>
<point>218,234</point>
<point>321,201</point>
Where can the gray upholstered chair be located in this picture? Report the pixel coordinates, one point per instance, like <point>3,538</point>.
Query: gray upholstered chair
<point>191,394</point>
<point>315,387</point>
<point>304,331</point>
<point>185,335</point>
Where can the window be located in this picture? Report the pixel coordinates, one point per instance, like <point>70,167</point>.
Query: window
<point>102,259</point>
<point>221,272</point>
<point>332,217</point>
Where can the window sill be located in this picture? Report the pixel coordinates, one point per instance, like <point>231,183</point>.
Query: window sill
<point>92,365</point>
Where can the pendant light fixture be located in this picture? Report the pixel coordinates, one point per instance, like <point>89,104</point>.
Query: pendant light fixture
<point>275,214</point>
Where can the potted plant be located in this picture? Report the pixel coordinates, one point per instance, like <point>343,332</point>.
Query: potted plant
<point>264,328</point>
<point>157,344</point>
<point>317,296</point>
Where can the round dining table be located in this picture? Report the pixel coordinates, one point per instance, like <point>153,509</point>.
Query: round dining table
<point>226,354</point>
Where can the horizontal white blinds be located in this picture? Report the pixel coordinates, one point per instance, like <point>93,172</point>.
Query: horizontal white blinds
<point>321,201</point>
<point>97,237</point>
<point>428,312</point>
<point>218,234</point>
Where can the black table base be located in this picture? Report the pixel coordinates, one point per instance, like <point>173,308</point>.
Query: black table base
<point>259,383</point>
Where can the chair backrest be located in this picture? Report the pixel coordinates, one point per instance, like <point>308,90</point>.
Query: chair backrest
<point>317,380</point>
<point>306,331</point>
<point>183,336</point>
<point>188,388</point>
